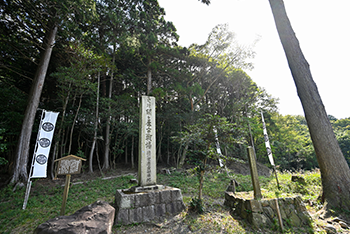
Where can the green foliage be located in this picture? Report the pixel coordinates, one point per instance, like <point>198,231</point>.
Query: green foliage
<point>3,161</point>
<point>196,205</point>
<point>290,142</point>
<point>123,41</point>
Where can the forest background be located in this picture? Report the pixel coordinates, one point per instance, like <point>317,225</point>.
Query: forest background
<point>107,55</point>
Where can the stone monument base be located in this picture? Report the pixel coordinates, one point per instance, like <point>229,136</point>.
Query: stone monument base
<point>263,212</point>
<point>150,204</point>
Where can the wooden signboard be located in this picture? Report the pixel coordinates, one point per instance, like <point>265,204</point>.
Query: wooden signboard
<point>68,165</point>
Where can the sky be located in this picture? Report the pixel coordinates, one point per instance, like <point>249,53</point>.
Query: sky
<point>321,26</point>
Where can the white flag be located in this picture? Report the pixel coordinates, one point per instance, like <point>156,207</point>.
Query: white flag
<point>43,144</point>
<point>267,142</point>
<point>218,150</point>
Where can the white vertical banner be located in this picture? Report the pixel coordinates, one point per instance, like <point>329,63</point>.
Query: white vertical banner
<point>267,142</point>
<point>218,150</point>
<point>43,144</point>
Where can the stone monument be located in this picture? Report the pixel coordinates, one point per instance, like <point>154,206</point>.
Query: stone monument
<point>147,201</point>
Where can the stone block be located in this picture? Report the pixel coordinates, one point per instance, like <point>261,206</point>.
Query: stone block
<point>254,206</point>
<point>229,199</point>
<point>176,194</point>
<point>165,196</point>
<point>160,210</point>
<point>259,220</point>
<point>170,208</point>
<point>122,216</point>
<point>263,212</point>
<point>95,218</point>
<point>123,201</point>
<point>269,212</point>
<point>294,219</point>
<point>157,197</point>
<point>134,207</point>
<point>135,215</point>
<point>267,203</point>
<point>144,199</point>
<point>151,197</point>
<point>179,206</point>
<point>148,213</point>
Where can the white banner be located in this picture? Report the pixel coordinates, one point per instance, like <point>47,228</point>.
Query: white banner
<point>267,142</point>
<point>43,144</point>
<point>218,150</point>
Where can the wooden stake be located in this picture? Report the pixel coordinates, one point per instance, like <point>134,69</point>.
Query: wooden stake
<point>278,184</point>
<point>254,173</point>
<point>279,214</point>
<point>65,195</point>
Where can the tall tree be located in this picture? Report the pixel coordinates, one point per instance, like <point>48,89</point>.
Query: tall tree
<point>33,18</point>
<point>21,158</point>
<point>155,33</point>
<point>335,172</point>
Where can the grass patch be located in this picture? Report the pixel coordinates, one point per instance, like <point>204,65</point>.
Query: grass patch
<point>45,201</point>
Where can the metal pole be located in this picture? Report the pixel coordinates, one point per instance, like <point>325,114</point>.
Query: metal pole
<point>29,185</point>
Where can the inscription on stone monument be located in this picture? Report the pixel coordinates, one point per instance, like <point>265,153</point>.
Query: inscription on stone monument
<point>147,154</point>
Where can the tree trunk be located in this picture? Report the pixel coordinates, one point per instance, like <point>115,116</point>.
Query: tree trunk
<point>126,151</point>
<point>109,118</point>
<point>21,161</point>
<point>96,124</point>
<point>73,124</point>
<point>132,152</point>
<point>335,173</point>
<point>56,147</point>
<point>181,162</point>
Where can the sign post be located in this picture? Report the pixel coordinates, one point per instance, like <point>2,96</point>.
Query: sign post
<point>68,165</point>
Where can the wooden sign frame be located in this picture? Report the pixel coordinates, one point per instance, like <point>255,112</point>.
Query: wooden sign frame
<point>69,165</point>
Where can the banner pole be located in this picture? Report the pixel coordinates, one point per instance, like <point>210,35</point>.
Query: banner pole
<point>268,148</point>
<point>29,182</point>
<point>278,184</point>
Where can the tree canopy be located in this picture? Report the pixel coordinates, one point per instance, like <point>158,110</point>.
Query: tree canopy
<point>111,52</point>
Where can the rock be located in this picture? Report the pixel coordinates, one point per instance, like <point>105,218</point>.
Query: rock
<point>95,218</point>
<point>294,219</point>
<point>164,171</point>
<point>263,212</point>
<point>343,225</point>
<point>133,181</point>
<point>299,179</point>
<point>259,220</point>
<point>330,229</point>
<point>232,186</point>
<point>337,220</point>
